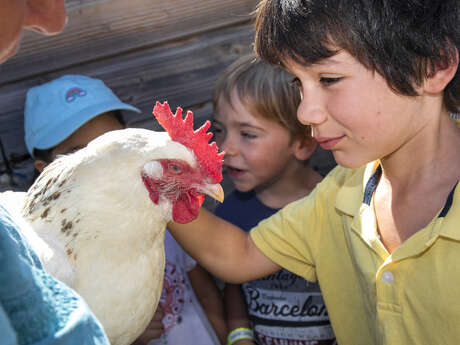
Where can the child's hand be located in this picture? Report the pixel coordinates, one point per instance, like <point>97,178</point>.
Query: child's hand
<point>154,328</point>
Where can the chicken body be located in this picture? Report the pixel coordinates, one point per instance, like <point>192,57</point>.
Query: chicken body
<point>97,221</point>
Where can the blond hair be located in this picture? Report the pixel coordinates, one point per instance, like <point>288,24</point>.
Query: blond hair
<point>264,90</point>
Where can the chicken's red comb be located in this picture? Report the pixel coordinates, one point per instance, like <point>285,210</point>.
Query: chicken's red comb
<point>198,141</point>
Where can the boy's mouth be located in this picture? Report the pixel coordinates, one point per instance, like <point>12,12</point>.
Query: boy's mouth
<point>328,143</point>
<point>234,172</point>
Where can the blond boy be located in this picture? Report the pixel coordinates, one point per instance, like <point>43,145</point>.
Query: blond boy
<point>267,150</point>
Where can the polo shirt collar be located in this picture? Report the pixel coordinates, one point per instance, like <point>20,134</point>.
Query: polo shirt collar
<point>358,190</point>
<point>451,208</point>
<point>350,196</point>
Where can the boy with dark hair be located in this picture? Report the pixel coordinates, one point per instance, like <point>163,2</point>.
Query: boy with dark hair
<point>379,80</point>
<point>405,42</point>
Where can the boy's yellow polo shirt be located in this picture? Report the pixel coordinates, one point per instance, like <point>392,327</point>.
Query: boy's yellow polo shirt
<point>409,297</point>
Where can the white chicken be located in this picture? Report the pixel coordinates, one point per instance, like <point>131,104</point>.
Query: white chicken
<point>97,217</point>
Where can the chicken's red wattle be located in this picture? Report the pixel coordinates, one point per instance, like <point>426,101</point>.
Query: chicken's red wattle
<point>185,208</point>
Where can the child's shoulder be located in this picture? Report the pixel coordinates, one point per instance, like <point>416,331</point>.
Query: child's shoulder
<point>242,202</point>
<point>243,209</point>
<point>238,199</point>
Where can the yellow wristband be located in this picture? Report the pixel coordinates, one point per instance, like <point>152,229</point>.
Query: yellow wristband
<point>239,334</point>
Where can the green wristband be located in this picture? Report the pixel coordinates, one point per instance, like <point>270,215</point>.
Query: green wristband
<point>239,334</point>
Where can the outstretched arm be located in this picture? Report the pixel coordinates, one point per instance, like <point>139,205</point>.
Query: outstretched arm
<point>222,248</point>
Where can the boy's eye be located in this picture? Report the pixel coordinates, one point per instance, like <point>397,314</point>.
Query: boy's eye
<point>217,129</point>
<point>219,134</point>
<point>326,81</point>
<point>248,135</point>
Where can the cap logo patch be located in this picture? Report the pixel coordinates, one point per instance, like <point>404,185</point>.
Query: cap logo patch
<point>73,93</point>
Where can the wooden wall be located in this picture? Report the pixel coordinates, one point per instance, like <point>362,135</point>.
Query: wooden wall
<point>145,50</point>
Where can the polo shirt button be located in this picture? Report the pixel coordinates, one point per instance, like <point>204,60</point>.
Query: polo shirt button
<point>387,277</point>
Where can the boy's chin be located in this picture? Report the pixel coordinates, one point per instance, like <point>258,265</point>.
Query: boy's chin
<point>349,162</point>
<point>242,188</point>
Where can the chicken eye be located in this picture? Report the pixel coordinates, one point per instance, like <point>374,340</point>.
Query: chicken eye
<point>174,168</point>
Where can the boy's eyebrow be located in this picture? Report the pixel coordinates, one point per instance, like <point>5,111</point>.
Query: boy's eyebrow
<point>247,124</point>
<point>241,124</point>
<point>328,61</point>
<point>332,60</point>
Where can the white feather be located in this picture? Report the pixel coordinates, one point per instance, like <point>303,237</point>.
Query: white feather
<point>96,229</point>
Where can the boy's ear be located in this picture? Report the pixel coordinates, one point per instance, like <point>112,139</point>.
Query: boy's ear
<point>304,147</point>
<point>40,165</point>
<point>441,76</point>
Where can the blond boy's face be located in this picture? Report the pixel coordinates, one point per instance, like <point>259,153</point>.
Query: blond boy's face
<point>258,151</point>
<point>353,112</point>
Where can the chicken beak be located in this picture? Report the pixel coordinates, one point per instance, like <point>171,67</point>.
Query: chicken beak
<point>215,191</point>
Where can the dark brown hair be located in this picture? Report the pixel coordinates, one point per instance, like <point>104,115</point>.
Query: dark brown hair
<point>402,40</point>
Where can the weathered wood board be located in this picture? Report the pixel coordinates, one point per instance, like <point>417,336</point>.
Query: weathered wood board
<point>144,50</point>
<point>99,29</point>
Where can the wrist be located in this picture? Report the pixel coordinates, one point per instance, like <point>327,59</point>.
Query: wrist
<point>239,334</point>
<point>244,342</point>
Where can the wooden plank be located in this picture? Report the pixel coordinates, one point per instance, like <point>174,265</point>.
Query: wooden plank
<point>102,29</point>
<point>183,73</point>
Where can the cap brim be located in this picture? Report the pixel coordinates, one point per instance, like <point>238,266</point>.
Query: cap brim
<point>63,129</point>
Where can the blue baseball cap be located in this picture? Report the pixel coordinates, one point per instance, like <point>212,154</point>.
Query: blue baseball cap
<point>56,109</point>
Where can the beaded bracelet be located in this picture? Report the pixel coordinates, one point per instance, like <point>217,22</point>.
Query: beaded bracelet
<point>238,334</point>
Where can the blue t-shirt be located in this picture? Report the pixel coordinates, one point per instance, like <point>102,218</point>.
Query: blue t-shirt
<point>283,308</point>
<point>35,308</point>
<point>243,209</point>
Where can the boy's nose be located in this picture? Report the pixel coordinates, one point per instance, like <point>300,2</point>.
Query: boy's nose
<point>311,110</point>
<point>45,16</point>
<point>228,145</point>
